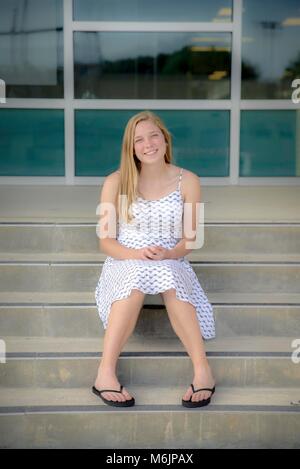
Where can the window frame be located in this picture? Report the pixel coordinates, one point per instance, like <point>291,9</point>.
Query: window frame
<point>235,104</point>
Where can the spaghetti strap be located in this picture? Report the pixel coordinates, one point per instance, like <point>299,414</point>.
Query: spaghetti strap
<point>180,177</point>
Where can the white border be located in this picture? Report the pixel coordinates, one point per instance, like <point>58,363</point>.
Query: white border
<point>235,104</point>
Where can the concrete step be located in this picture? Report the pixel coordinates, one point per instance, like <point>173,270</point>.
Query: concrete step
<point>78,321</point>
<point>78,204</point>
<point>80,242</point>
<point>234,278</point>
<point>252,344</point>
<point>86,298</point>
<point>75,418</point>
<point>36,399</point>
<point>203,256</point>
<point>77,370</point>
<point>33,362</point>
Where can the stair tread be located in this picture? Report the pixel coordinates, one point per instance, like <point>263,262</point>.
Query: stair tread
<point>80,298</point>
<point>148,395</point>
<point>251,344</point>
<point>202,256</point>
<point>229,203</point>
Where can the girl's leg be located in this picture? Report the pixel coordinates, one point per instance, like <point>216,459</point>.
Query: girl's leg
<point>121,323</point>
<point>184,321</point>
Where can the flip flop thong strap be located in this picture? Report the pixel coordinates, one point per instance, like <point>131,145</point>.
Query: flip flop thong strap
<point>201,389</point>
<point>112,390</point>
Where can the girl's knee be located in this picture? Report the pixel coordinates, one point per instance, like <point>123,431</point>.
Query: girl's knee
<point>135,293</point>
<point>169,294</point>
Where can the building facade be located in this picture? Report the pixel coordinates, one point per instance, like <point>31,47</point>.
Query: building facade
<point>223,74</point>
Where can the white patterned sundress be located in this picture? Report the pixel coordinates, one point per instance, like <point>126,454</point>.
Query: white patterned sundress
<point>156,223</point>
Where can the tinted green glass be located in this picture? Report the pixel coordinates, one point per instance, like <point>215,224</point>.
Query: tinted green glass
<point>270,143</point>
<point>200,140</point>
<point>154,10</point>
<point>151,65</point>
<point>31,48</point>
<point>32,142</point>
<point>270,48</point>
<point>98,139</point>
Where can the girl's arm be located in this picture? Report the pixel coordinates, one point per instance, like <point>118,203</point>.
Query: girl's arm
<point>192,195</point>
<point>112,247</point>
<point>107,225</point>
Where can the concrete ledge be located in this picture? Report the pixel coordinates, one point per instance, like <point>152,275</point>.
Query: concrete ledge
<point>79,203</point>
<point>213,427</point>
<point>58,400</point>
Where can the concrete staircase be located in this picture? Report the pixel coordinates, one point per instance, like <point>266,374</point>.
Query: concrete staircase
<point>53,337</point>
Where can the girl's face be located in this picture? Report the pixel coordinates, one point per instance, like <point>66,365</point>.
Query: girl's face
<point>149,142</point>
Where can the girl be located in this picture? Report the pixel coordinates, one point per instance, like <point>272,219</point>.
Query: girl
<point>148,196</point>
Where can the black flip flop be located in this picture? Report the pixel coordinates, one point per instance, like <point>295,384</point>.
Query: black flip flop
<point>127,403</point>
<point>202,403</point>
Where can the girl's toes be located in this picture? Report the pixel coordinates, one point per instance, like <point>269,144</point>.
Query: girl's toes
<point>187,395</point>
<point>198,397</point>
<point>118,397</point>
<point>126,395</point>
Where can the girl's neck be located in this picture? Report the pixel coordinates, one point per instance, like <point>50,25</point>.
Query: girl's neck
<point>154,173</point>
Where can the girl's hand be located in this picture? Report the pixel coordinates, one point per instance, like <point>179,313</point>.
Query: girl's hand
<point>156,253</point>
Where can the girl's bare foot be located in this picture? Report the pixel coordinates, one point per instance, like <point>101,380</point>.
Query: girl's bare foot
<point>107,379</point>
<point>203,378</point>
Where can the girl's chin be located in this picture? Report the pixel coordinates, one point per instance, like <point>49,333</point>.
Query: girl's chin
<point>150,158</point>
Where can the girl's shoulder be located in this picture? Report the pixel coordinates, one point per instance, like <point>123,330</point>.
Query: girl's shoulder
<point>188,176</point>
<point>113,177</point>
<point>190,183</point>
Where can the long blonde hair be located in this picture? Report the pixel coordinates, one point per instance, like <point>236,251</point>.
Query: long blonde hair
<point>130,165</point>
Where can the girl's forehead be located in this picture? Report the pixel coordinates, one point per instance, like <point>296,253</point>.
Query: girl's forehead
<point>145,126</point>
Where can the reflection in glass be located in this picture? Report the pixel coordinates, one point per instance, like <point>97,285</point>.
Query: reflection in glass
<point>200,140</point>
<point>32,142</point>
<point>98,140</point>
<point>31,48</point>
<point>155,10</point>
<point>136,65</point>
<point>270,48</point>
<point>270,143</point>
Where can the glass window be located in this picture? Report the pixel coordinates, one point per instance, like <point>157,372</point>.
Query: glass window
<point>31,48</point>
<point>153,10</point>
<point>98,140</point>
<point>270,48</point>
<point>270,143</point>
<point>200,140</point>
<point>134,65</point>
<point>32,142</point>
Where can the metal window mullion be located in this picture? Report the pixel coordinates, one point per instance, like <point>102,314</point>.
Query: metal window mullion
<point>236,55</point>
<point>32,180</point>
<point>270,181</point>
<point>69,93</point>
<point>148,26</point>
<point>98,180</point>
<point>32,103</point>
<point>269,104</point>
<point>197,104</point>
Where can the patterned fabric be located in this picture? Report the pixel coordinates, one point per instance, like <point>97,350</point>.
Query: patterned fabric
<point>158,223</point>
